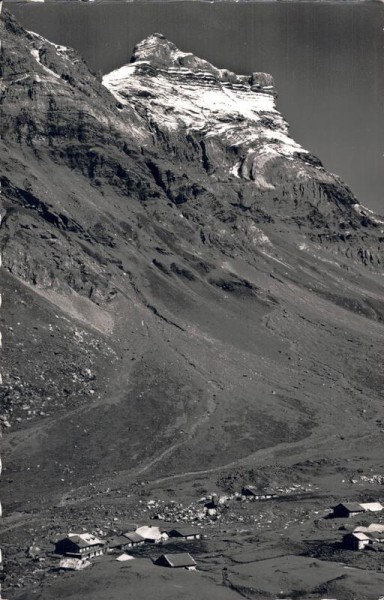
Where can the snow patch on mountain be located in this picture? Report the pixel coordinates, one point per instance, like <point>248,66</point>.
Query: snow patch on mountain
<point>235,170</point>
<point>188,99</point>
<point>39,44</point>
<point>366,212</point>
<point>61,50</point>
<point>36,55</point>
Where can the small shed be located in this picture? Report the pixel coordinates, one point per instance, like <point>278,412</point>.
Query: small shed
<point>177,561</point>
<point>346,510</point>
<point>133,539</point>
<point>250,491</point>
<point>186,533</point>
<point>357,540</point>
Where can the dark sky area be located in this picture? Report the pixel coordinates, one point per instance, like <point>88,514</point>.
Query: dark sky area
<point>327,61</point>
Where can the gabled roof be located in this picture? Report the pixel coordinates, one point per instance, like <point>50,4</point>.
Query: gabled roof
<point>85,539</point>
<point>124,557</point>
<point>371,528</point>
<point>257,491</point>
<point>149,533</point>
<point>379,527</point>
<point>251,488</point>
<point>359,535</point>
<point>132,536</point>
<point>184,531</point>
<point>372,506</point>
<point>182,559</point>
<point>351,506</point>
<point>118,540</point>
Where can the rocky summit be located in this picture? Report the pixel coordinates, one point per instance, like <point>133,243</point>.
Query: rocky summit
<point>188,295</point>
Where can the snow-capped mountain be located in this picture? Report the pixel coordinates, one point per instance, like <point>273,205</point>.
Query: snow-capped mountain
<point>241,135</point>
<point>189,286</point>
<point>186,293</point>
<point>182,92</point>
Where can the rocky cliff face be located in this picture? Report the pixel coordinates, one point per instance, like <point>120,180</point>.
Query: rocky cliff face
<point>173,127</point>
<point>184,283</point>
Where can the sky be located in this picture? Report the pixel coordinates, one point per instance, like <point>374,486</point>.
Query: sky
<point>327,60</point>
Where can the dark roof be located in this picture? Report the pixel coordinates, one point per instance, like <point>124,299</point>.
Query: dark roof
<point>351,506</point>
<point>184,531</point>
<point>75,539</point>
<point>118,540</point>
<point>182,559</point>
<point>132,536</point>
<point>258,491</point>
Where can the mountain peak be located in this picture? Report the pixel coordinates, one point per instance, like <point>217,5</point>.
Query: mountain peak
<point>163,54</point>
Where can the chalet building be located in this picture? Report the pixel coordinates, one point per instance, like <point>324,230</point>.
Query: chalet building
<point>355,540</point>
<point>185,533</point>
<point>152,535</point>
<point>117,543</point>
<point>177,561</point>
<point>80,545</point>
<point>346,510</point>
<point>250,491</point>
<point>253,493</point>
<point>134,539</point>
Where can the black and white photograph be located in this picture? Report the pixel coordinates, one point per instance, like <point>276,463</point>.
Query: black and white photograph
<point>192,300</point>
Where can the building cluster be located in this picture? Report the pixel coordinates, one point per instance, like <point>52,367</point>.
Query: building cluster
<point>371,537</point>
<point>78,548</point>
